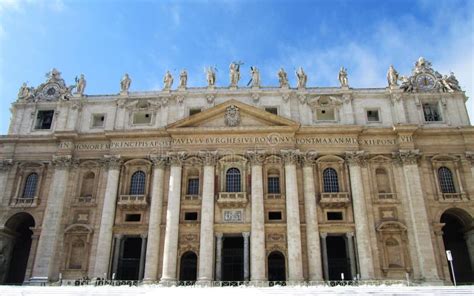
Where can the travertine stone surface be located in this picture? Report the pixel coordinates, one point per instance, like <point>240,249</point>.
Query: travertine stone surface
<point>257,234</point>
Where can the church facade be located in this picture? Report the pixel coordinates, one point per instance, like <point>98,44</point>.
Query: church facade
<point>239,183</point>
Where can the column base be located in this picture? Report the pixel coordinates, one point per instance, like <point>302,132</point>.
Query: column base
<point>431,282</point>
<point>38,281</point>
<point>204,283</point>
<point>168,282</point>
<point>295,282</point>
<point>149,281</point>
<point>258,283</point>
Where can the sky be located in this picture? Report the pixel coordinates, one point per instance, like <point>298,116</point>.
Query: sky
<point>105,39</point>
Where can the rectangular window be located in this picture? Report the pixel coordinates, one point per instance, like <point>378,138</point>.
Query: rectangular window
<point>98,120</point>
<point>133,217</point>
<point>274,184</point>
<point>431,112</point>
<point>373,116</point>
<point>193,186</point>
<point>274,215</point>
<point>190,216</point>
<point>44,119</point>
<point>334,216</point>
<point>273,110</point>
<point>194,111</point>
<point>141,118</point>
<point>326,114</point>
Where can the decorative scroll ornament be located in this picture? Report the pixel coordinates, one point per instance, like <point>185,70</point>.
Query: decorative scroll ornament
<point>158,160</point>
<point>112,161</point>
<point>290,156</point>
<point>62,161</point>
<point>53,89</point>
<point>232,116</point>
<point>356,158</point>
<point>5,164</point>
<point>425,79</point>
<point>407,157</point>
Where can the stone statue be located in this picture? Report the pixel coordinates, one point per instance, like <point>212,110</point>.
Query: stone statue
<point>55,76</point>
<point>302,78</point>
<point>255,77</point>
<point>80,85</point>
<point>168,80</point>
<point>211,76</point>
<point>125,83</point>
<point>183,79</point>
<point>450,83</point>
<point>343,77</point>
<point>392,76</point>
<point>24,92</point>
<point>234,73</point>
<point>283,78</point>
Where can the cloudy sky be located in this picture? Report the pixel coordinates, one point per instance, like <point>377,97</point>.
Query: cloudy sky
<point>104,39</point>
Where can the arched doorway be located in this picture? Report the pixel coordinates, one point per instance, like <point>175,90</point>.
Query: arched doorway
<point>455,231</point>
<point>276,267</point>
<point>188,267</point>
<point>15,248</point>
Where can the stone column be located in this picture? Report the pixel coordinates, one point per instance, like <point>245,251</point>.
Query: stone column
<point>470,157</point>
<point>324,253</point>
<point>206,241</point>
<point>43,268</point>
<point>418,220</point>
<point>116,254</point>
<point>170,251</point>
<point>312,236</point>
<point>350,250</point>
<point>218,256</point>
<point>142,257</point>
<point>257,235</point>
<point>364,250</point>
<point>154,225</point>
<point>5,165</point>
<point>293,231</point>
<point>32,255</point>
<point>104,242</point>
<point>469,237</point>
<point>246,236</point>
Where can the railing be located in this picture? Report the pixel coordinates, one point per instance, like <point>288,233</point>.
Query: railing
<point>192,197</point>
<point>84,200</point>
<point>132,200</point>
<point>335,199</point>
<point>20,202</point>
<point>387,196</point>
<point>232,198</point>
<point>274,196</point>
<point>454,196</point>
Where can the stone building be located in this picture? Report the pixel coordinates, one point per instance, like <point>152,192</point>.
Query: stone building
<point>239,183</point>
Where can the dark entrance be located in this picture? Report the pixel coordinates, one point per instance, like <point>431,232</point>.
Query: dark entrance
<point>338,259</point>
<point>453,238</point>
<point>20,225</point>
<point>233,259</point>
<point>188,267</point>
<point>276,267</point>
<point>129,260</point>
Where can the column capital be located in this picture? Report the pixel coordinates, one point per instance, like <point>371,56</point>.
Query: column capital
<point>323,235</point>
<point>407,157</point>
<point>308,158</point>
<point>470,156</point>
<point>112,162</point>
<point>219,235</point>
<point>349,234</point>
<point>358,158</point>
<point>256,157</point>
<point>144,235</point>
<point>177,158</point>
<point>246,234</point>
<point>290,156</point>
<point>118,236</point>
<point>5,164</point>
<point>62,161</point>
<point>158,160</point>
<point>208,158</point>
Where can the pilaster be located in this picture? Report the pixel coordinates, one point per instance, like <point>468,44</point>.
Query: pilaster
<point>5,166</point>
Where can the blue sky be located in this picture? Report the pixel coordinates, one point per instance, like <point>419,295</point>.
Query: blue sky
<point>104,39</point>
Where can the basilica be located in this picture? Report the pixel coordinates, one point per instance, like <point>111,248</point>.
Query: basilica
<point>239,183</point>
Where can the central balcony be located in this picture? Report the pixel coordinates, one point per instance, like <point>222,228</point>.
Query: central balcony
<point>334,199</point>
<point>20,202</point>
<point>84,201</point>
<point>132,201</point>
<point>453,197</point>
<point>232,199</point>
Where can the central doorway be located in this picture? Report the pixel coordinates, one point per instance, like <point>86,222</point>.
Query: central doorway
<point>233,259</point>
<point>338,259</point>
<point>129,261</point>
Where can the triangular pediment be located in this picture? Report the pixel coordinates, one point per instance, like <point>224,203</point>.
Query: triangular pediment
<point>234,115</point>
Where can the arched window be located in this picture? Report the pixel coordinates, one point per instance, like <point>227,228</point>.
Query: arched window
<point>273,182</point>
<point>331,184</point>
<point>233,180</point>
<point>87,184</point>
<point>137,184</point>
<point>383,184</point>
<point>30,186</point>
<point>446,180</point>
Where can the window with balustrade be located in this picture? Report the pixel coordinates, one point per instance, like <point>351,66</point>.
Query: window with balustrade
<point>273,184</point>
<point>383,182</point>
<point>29,191</point>
<point>233,180</point>
<point>446,182</point>
<point>137,183</point>
<point>193,186</point>
<point>330,180</point>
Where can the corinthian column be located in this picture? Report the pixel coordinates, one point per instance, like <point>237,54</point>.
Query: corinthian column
<point>170,251</point>
<point>257,235</point>
<point>154,226</point>
<point>364,249</point>
<point>312,231</point>
<point>43,269</point>
<point>5,165</point>
<point>104,242</point>
<point>293,232</point>
<point>206,242</point>
<point>418,219</point>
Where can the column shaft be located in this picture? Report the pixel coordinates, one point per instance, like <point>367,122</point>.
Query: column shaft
<point>104,242</point>
<point>142,258</point>
<point>218,256</point>
<point>5,165</point>
<point>257,238</point>
<point>116,255</point>
<point>206,256</point>
<point>312,236</point>
<point>324,253</point>
<point>246,256</point>
<point>350,249</point>
<point>170,251</point>
<point>469,237</point>
<point>154,226</point>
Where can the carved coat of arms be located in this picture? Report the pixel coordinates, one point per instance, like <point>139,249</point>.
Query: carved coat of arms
<point>232,116</point>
